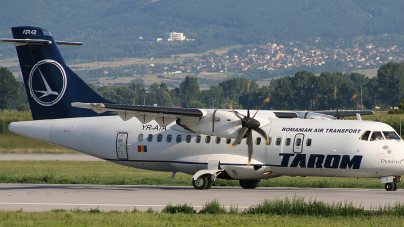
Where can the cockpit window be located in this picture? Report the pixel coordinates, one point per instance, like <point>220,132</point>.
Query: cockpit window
<point>391,135</point>
<point>365,136</point>
<point>376,135</point>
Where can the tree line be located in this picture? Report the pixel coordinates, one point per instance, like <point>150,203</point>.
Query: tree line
<point>303,91</point>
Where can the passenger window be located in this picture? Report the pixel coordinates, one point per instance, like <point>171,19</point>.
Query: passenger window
<point>269,140</point>
<point>278,141</point>
<point>149,138</point>
<point>188,138</point>
<point>159,138</point>
<point>376,135</point>
<point>287,141</point>
<point>365,136</point>
<point>207,139</point>
<point>298,142</point>
<point>179,138</point>
<point>228,141</point>
<point>308,142</point>
<point>218,140</point>
<point>391,135</point>
<point>169,138</point>
<point>258,141</point>
<point>140,138</point>
<point>198,139</point>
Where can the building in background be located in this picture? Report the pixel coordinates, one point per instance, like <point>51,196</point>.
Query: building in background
<point>175,36</point>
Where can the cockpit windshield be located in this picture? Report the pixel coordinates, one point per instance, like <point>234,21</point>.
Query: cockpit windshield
<point>376,135</point>
<point>391,135</point>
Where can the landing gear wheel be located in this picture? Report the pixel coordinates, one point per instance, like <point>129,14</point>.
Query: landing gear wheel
<point>391,186</point>
<point>249,184</point>
<point>201,182</point>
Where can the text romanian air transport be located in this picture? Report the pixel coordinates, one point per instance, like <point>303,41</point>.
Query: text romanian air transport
<point>206,143</point>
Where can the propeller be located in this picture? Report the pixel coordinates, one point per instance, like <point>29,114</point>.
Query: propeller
<point>248,125</point>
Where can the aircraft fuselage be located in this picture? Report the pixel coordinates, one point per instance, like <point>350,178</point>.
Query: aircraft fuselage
<point>297,147</point>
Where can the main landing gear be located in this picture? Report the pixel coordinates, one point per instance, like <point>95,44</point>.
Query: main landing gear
<point>391,182</point>
<point>391,186</point>
<point>206,181</point>
<point>249,184</point>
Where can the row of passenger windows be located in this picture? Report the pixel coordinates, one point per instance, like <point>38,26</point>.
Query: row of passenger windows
<point>208,139</point>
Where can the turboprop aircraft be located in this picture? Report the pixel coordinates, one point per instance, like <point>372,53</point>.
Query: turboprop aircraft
<point>205,143</point>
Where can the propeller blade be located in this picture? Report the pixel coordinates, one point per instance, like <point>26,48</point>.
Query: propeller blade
<point>263,134</point>
<point>248,98</point>
<point>263,103</point>
<point>335,97</point>
<point>231,107</point>
<point>240,136</point>
<point>250,146</point>
<point>353,97</point>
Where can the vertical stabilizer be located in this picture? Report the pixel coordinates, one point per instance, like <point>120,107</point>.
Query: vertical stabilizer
<point>51,85</point>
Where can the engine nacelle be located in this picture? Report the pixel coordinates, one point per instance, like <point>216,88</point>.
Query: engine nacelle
<point>220,123</point>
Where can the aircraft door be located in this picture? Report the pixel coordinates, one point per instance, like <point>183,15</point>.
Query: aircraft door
<point>298,143</point>
<point>121,148</point>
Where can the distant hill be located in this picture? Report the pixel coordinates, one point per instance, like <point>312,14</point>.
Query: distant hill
<point>112,28</point>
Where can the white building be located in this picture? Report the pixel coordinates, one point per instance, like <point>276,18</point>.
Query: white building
<point>172,36</point>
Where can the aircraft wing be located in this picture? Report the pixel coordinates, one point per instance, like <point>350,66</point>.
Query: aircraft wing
<point>163,115</point>
<point>345,113</point>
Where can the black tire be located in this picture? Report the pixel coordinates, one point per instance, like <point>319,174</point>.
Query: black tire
<point>390,186</point>
<point>249,184</point>
<point>395,186</point>
<point>200,183</point>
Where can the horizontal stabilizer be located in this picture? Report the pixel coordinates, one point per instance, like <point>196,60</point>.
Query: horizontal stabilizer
<point>65,43</point>
<point>20,42</point>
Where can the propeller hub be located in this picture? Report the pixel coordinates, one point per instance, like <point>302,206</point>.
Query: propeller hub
<point>250,123</point>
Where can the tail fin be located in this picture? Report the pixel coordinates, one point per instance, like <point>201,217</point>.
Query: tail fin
<point>51,85</point>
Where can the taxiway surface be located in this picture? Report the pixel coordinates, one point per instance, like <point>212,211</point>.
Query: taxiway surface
<point>40,197</point>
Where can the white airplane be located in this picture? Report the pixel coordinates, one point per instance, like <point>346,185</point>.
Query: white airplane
<point>68,113</point>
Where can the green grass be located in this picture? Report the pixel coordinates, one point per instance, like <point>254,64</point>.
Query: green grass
<point>96,172</point>
<point>68,218</point>
<point>287,212</point>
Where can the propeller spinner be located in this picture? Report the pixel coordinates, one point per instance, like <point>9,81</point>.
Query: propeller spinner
<point>249,124</point>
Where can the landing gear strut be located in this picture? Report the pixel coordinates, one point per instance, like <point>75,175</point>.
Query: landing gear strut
<point>249,184</point>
